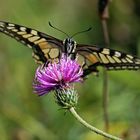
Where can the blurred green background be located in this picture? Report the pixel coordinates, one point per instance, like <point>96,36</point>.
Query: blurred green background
<point>25,116</point>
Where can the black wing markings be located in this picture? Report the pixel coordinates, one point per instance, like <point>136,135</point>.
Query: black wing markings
<point>45,47</point>
<point>108,58</point>
<point>42,44</point>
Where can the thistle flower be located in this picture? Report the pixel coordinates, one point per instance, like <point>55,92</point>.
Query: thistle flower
<point>57,75</point>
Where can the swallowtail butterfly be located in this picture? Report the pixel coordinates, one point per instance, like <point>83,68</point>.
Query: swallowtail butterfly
<point>47,48</point>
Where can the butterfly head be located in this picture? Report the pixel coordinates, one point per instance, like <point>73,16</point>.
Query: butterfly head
<point>69,45</point>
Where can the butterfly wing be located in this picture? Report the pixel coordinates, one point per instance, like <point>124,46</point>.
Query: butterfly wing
<point>45,47</point>
<point>110,59</point>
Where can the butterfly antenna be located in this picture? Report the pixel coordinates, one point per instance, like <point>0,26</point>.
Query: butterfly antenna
<point>57,29</point>
<point>87,30</point>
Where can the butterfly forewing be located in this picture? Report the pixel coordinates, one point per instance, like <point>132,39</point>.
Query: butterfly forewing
<point>44,47</point>
<point>110,59</point>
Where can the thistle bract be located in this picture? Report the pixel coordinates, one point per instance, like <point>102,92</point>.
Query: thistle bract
<point>66,98</point>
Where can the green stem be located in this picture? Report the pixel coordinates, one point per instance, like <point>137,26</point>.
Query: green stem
<point>92,128</point>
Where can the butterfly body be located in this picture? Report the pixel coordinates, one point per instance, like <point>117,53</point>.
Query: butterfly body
<point>69,47</point>
<point>46,48</point>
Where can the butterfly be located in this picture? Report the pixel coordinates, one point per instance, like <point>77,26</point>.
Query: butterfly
<point>46,48</point>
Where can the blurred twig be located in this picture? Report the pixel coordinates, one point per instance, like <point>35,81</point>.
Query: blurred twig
<point>104,16</point>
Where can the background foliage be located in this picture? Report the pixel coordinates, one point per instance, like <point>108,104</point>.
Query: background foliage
<point>25,116</point>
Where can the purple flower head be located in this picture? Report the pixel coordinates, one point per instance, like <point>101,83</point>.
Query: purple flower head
<point>57,75</point>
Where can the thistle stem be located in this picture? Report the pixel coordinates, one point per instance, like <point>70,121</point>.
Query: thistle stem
<point>92,128</point>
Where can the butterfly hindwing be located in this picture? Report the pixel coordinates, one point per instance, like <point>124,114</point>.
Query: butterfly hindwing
<point>43,45</point>
<point>110,59</point>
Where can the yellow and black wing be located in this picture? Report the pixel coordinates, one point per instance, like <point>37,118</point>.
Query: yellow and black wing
<point>110,59</point>
<point>45,47</point>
